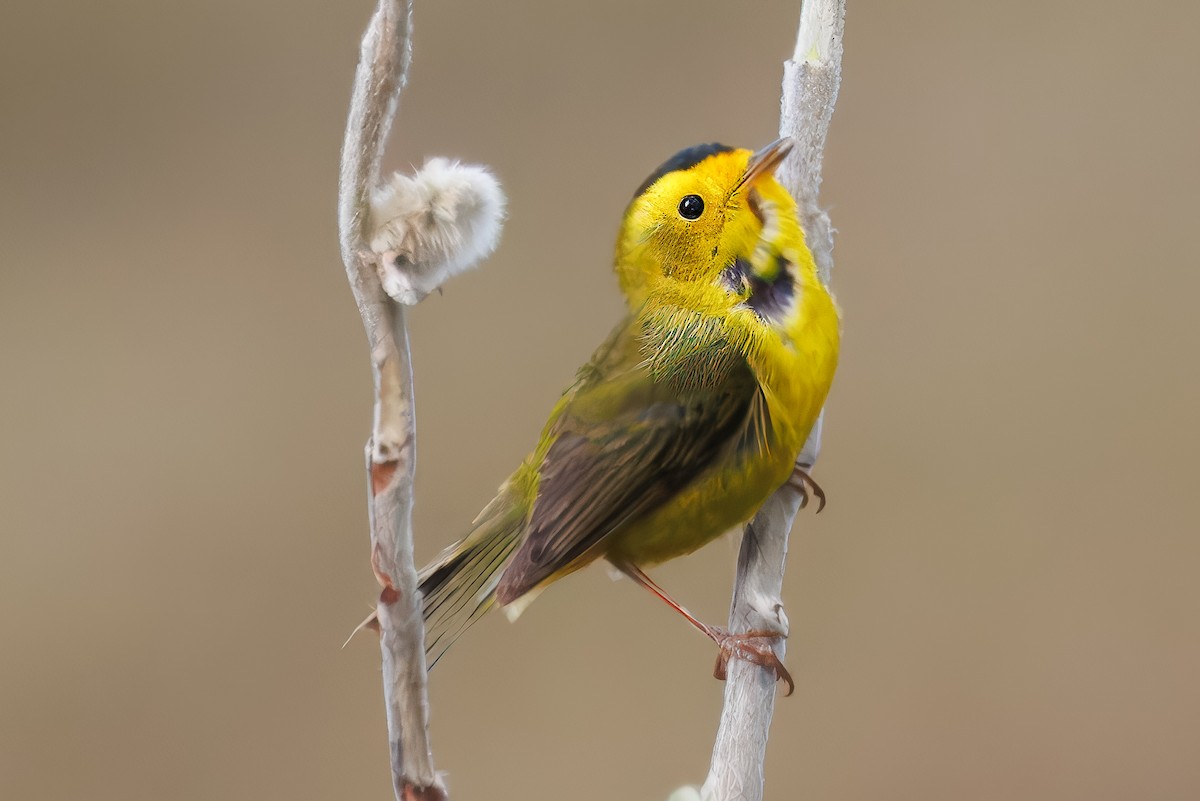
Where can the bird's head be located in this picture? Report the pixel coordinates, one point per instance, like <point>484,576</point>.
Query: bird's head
<point>700,212</point>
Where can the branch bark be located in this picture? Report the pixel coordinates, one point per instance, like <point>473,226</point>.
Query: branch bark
<point>390,453</point>
<point>810,86</point>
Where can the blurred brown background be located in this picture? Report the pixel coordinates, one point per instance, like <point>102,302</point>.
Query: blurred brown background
<point>999,602</point>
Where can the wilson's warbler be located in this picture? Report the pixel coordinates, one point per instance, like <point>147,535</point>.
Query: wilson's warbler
<point>687,417</point>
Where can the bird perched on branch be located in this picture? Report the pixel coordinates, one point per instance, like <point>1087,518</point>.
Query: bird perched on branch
<point>685,419</point>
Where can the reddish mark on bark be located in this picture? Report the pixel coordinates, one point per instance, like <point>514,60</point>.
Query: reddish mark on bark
<point>412,793</point>
<point>381,575</point>
<point>390,594</point>
<point>382,474</point>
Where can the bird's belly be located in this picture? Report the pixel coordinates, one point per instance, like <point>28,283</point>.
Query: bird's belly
<point>728,494</point>
<point>721,499</point>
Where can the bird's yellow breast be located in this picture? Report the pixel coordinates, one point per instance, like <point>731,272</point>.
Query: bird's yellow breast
<point>794,367</point>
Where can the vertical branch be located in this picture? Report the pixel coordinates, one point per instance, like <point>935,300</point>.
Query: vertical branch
<point>382,70</point>
<point>810,87</point>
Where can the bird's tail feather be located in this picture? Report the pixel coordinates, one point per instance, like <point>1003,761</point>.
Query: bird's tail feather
<point>459,586</point>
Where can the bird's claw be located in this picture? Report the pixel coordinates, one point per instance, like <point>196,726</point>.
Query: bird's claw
<point>802,481</point>
<point>752,646</point>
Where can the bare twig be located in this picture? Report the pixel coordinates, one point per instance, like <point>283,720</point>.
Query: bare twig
<point>382,70</point>
<point>810,86</point>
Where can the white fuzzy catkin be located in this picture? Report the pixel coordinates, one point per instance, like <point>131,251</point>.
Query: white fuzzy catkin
<point>434,224</point>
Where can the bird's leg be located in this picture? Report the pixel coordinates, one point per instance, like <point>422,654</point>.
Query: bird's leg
<point>753,646</point>
<point>801,480</point>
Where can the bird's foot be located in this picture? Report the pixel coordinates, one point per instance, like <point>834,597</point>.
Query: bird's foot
<point>802,481</point>
<point>752,646</point>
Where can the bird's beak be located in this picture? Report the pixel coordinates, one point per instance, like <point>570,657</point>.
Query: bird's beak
<point>766,160</point>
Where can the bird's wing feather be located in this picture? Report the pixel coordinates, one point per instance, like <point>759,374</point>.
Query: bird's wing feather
<point>625,441</point>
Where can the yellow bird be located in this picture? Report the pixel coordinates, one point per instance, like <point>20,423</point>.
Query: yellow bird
<point>685,419</point>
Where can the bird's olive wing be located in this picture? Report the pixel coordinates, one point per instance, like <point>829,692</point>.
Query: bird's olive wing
<point>623,444</point>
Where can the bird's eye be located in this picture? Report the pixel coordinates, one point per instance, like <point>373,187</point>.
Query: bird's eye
<point>691,207</point>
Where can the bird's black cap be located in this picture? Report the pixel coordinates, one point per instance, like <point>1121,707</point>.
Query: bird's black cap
<point>688,157</point>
